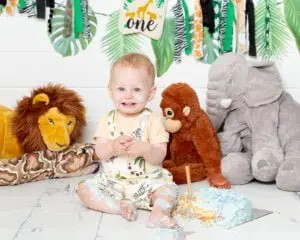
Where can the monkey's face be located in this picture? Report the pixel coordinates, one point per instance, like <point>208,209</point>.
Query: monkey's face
<point>175,115</point>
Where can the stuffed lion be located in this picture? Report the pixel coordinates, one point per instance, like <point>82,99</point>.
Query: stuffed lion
<point>44,124</point>
<point>51,118</point>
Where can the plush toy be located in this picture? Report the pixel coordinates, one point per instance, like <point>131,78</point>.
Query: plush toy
<point>47,122</point>
<point>193,138</point>
<point>259,122</point>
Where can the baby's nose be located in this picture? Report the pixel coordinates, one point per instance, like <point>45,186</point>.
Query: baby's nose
<point>128,94</point>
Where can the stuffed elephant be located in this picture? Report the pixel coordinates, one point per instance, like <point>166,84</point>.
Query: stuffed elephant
<point>258,122</point>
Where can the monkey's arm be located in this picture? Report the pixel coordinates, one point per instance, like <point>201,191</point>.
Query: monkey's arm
<point>208,146</point>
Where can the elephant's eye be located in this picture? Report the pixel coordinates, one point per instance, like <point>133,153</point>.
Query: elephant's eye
<point>51,121</point>
<point>169,112</point>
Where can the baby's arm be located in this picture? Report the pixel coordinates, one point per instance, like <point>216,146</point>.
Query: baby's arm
<point>155,150</point>
<point>152,153</point>
<point>156,153</point>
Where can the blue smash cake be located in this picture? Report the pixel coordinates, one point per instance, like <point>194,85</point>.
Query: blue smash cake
<point>214,206</point>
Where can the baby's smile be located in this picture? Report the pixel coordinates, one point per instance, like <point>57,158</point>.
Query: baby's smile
<point>128,104</point>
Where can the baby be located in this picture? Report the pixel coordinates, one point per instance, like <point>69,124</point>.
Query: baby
<point>131,144</point>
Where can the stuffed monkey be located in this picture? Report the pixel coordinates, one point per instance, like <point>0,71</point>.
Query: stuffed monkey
<point>194,141</point>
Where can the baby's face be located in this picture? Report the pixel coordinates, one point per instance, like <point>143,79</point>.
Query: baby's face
<point>130,90</point>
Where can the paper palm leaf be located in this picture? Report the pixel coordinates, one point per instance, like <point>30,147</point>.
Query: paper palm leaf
<point>292,17</point>
<point>164,47</point>
<point>271,32</point>
<point>210,48</point>
<point>68,45</point>
<point>115,44</point>
<point>159,3</point>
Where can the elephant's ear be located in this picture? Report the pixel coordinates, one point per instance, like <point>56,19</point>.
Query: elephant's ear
<point>264,85</point>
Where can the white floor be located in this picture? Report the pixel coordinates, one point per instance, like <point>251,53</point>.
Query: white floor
<point>50,210</point>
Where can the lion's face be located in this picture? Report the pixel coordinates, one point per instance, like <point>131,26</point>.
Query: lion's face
<point>56,128</point>
<point>52,118</point>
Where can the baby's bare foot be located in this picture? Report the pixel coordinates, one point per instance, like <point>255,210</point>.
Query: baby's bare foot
<point>162,221</point>
<point>128,210</point>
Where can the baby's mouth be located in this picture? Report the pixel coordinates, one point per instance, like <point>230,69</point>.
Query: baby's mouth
<point>128,104</point>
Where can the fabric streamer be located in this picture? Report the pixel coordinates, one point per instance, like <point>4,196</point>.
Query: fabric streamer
<point>179,33</point>
<point>41,9</point>
<point>250,19</point>
<point>78,19</point>
<point>68,24</point>
<point>3,2</point>
<point>86,25</point>
<point>198,31</point>
<point>241,27</point>
<point>51,4</point>
<point>224,7</point>
<point>217,4</point>
<point>208,15</point>
<point>28,7</point>
<point>188,46</point>
<point>229,28</point>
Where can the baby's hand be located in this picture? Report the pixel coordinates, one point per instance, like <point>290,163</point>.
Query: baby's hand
<point>137,148</point>
<point>119,144</point>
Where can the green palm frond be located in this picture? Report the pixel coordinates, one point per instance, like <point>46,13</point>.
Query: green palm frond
<point>159,3</point>
<point>271,32</point>
<point>115,44</point>
<point>292,17</point>
<point>210,48</point>
<point>164,47</point>
<point>68,45</point>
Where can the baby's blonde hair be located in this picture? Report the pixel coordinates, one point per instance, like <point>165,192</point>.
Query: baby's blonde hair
<point>136,61</point>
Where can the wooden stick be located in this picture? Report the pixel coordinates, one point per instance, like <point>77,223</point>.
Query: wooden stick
<point>188,180</point>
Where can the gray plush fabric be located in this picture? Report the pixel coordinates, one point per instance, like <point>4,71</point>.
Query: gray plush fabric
<point>260,130</point>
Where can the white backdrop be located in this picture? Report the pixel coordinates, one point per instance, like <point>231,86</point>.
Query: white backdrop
<point>27,60</point>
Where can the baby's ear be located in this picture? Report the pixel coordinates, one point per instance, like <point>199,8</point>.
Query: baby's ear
<point>152,93</point>
<point>109,90</point>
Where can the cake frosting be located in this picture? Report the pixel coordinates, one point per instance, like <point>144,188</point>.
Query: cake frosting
<point>214,206</point>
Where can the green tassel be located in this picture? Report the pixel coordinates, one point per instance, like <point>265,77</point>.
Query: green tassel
<point>188,48</point>
<point>230,20</point>
<point>78,19</point>
<point>21,4</point>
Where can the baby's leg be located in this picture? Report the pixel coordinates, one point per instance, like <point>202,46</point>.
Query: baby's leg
<point>164,200</point>
<point>100,201</point>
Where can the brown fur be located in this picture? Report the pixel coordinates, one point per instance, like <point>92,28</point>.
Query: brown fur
<point>25,120</point>
<point>196,143</point>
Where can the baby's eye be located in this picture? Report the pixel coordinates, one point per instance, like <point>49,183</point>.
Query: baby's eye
<point>121,89</point>
<point>137,89</point>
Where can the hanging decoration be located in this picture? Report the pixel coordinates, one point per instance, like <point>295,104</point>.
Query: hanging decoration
<point>250,16</point>
<point>72,27</point>
<point>271,32</point>
<point>164,47</point>
<point>180,39</point>
<point>213,28</point>
<point>217,49</point>
<point>208,15</point>
<point>241,41</point>
<point>115,44</point>
<point>8,7</point>
<point>187,23</point>
<point>28,7</point>
<point>198,31</point>
<point>51,5</point>
<point>143,16</point>
<point>292,17</point>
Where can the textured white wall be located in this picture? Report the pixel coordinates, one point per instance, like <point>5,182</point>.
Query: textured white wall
<point>28,60</point>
